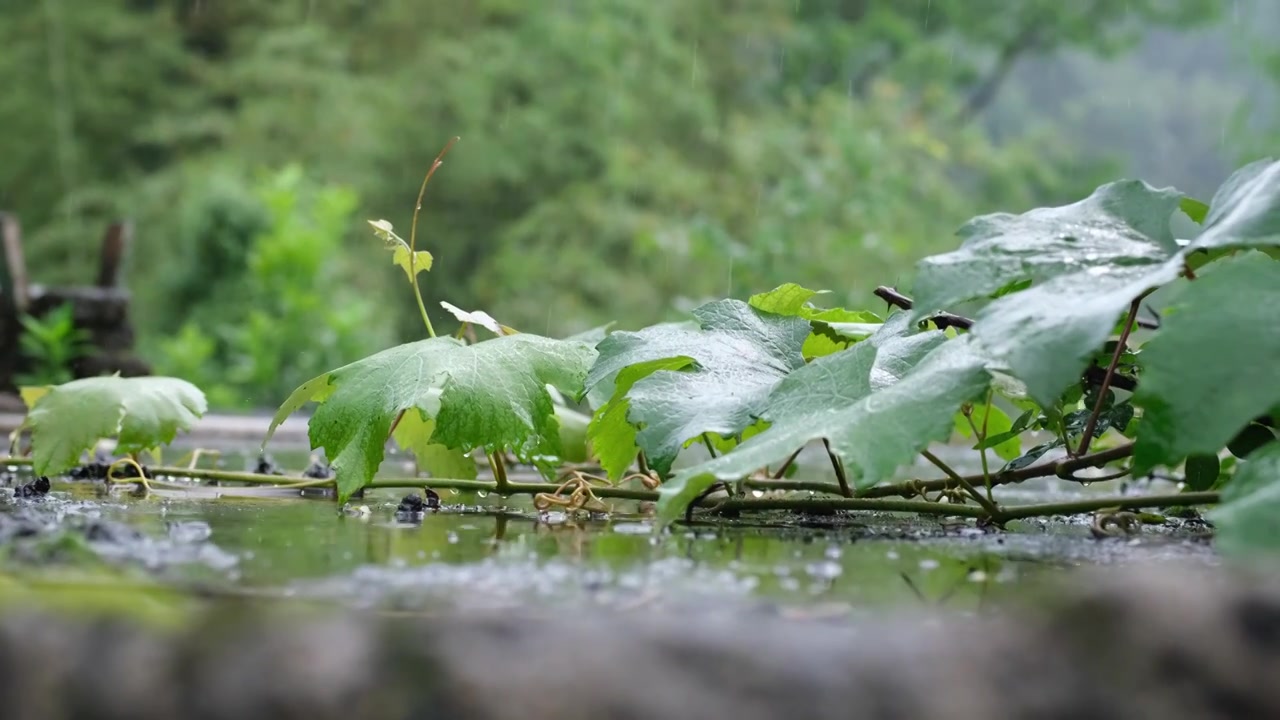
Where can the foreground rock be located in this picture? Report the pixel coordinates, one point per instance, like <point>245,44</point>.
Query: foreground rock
<point>1190,645</point>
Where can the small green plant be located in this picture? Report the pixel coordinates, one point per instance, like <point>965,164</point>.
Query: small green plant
<point>50,345</point>
<point>442,398</point>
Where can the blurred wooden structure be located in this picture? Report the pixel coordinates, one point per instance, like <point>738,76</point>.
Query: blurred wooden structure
<point>102,309</point>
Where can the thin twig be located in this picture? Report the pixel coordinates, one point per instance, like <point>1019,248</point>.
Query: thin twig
<point>413,236</point>
<point>499,467</point>
<point>1111,371</point>
<point>1075,507</point>
<point>838,466</point>
<point>786,464</point>
<point>1065,469</point>
<point>706,440</point>
<point>992,510</point>
<point>943,320</point>
<point>642,463</point>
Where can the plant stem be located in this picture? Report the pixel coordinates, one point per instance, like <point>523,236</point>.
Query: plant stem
<point>642,463</point>
<point>706,440</point>
<point>786,464</point>
<point>992,509</point>
<point>839,468</point>
<point>863,503</point>
<point>1065,469</point>
<point>1111,371</point>
<point>981,435</point>
<point>1074,507</point>
<point>499,467</point>
<point>413,236</point>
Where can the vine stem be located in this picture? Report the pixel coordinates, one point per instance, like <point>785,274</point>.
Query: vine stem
<point>804,504</point>
<point>413,235</point>
<point>1064,469</point>
<point>992,509</point>
<point>838,466</point>
<point>1111,371</point>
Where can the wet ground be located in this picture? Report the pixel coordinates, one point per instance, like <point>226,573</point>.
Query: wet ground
<point>487,552</point>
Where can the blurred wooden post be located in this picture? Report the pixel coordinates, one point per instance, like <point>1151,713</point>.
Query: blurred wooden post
<point>115,244</point>
<point>14,283</point>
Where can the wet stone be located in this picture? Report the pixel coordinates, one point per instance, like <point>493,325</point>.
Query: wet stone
<point>34,489</point>
<point>415,505</point>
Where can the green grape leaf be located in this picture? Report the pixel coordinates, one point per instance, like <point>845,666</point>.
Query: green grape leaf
<point>1211,368</point>
<point>140,412</point>
<point>1250,502</point>
<point>414,434</point>
<point>738,354</point>
<point>1047,335</point>
<point>612,436</point>
<point>489,395</point>
<point>877,405</point>
<point>1246,209</point>
<point>1121,225</point>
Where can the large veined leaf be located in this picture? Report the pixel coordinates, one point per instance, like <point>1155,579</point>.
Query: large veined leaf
<point>1246,518</point>
<point>1212,367</point>
<point>140,412</point>
<point>489,395</point>
<point>727,368</point>
<point>1087,262</point>
<point>1122,224</point>
<point>1046,335</point>
<point>873,421</point>
<point>1245,210</point>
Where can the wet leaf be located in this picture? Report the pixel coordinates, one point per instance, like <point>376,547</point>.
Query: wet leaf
<point>490,395</point>
<point>1246,209</point>
<point>1001,435</point>
<point>876,415</point>
<point>1211,368</point>
<point>140,412</point>
<point>1031,455</point>
<point>1250,504</point>
<point>715,378</point>
<point>1121,226</point>
<point>413,434</point>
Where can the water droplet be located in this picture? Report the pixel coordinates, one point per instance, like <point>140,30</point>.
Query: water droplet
<point>482,493</point>
<point>757,493</point>
<point>929,564</point>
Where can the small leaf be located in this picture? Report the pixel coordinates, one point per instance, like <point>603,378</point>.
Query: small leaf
<point>1250,504</point>
<point>1252,437</point>
<point>834,329</point>
<point>1001,436</point>
<point>1031,455</point>
<point>1211,368</point>
<point>738,355</point>
<point>140,412</point>
<point>477,317</point>
<point>874,418</point>
<point>413,263</point>
<point>1202,471</point>
<point>31,394</point>
<point>490,395</point>
<point>1194,209</point>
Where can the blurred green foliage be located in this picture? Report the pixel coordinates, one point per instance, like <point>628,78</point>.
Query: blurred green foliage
<point>620,160</point>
